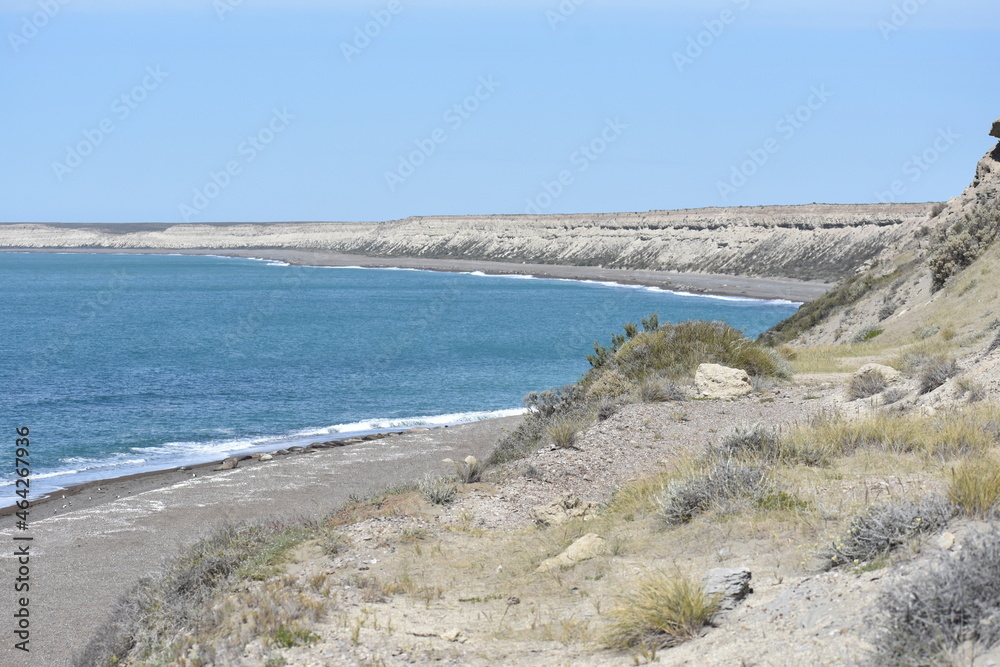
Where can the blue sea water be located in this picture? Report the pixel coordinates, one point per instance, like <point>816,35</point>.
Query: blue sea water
<point>126,363</point>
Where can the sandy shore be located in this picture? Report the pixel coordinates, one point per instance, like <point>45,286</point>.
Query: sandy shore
<point>695,283</point>
<point>93,545</point>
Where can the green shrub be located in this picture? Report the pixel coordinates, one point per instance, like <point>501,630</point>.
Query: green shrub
<point>160,609</point>
<point>866,335</point>
<point>658,390</point>
<point>962,243</point>
<point>564,433</point>
<point>846,293</point>
<point>674,351</point>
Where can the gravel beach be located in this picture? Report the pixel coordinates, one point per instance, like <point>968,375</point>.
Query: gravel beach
<point>84,555</point>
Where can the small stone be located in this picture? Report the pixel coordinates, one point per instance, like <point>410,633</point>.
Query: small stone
<point>452,635</point>
<point>585,548</point>
<point>732,584</point>
<point>946,540</point>
<point>567,506</point>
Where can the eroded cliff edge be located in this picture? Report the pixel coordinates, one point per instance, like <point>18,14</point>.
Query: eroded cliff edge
<point>811,242</point>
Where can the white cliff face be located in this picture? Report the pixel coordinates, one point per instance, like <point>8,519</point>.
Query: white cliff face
<point>813,242</point>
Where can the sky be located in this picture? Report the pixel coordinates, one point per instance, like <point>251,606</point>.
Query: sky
<point>300,110</point>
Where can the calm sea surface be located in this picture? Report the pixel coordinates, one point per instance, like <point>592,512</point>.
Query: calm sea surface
<point>124,363</point>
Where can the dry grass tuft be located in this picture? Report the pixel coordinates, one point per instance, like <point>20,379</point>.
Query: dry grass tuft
<point>564,433</point>
<point>975,486</point>
<point>664,611</point>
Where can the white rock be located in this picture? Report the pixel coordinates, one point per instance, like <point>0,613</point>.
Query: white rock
<point>715,381</point>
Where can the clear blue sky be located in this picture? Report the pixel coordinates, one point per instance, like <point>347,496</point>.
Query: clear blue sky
<point>120,110</point>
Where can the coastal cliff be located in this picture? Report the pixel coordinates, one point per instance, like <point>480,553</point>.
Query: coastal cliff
<point>810,242</point>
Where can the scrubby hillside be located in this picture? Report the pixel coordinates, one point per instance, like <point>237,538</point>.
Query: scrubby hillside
<point>939,286</point>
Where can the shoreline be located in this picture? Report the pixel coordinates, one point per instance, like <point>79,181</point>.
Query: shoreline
<point>286,447</point>
<point>142,519</point>
<point>698,284</point>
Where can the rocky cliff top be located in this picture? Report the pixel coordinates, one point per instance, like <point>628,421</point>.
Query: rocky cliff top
<point>811,242</point>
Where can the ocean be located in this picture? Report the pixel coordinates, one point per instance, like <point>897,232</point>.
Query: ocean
<point>121,364</point>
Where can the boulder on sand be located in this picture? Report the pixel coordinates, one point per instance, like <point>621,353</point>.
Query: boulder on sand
<point>715,381</point>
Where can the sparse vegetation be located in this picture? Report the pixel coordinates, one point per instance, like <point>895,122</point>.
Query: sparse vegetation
<point>963,242</point>
<point>726,485</point>
<point>938,610</point>
<point>975,486</point>
<point>438,490</point>
<point>866,335</point>
<point>935,372</point>
<point>845,294</point>
<point>564,433</point>
<point>664,611</point>
<point>469,470</point>
<point>882,528</point>
<point>867,384</point>
<point>150,622</point>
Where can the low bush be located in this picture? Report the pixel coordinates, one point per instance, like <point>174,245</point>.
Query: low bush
<point>657,390</point>
<point>938,610</point>
<point>935,372</point>
<point>664,611</point>
<point>867,384</point>
<point>961,244</point>
<point>469,470</point>
<point>752,443</point>
<point>520,441</point>
<point>975,486</point>
<point>438,491</point>
<point>972,391</point>
<point>882,528</point>
<point>866,335</point>
<point>725,485</point>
